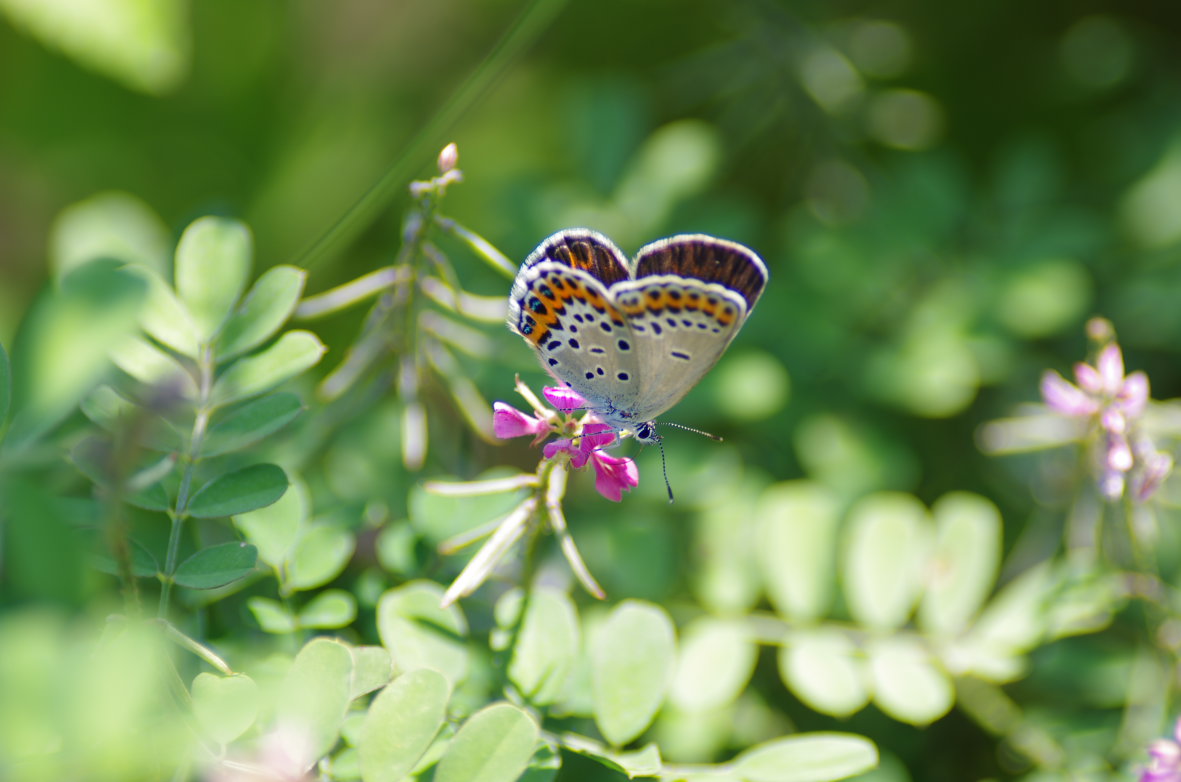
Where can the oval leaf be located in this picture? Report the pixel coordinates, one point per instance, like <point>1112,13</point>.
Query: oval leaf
<point>238,492</point>
<point>217,566</point>
<point>825,671</point>
<point>271,615</point>
<point>275,528</point>
<point>250,423</point>
<point>887,550</point>
<point>716,660</point>
<point>401,723</point>
<point>495,745</point>
<point>331,608</point>
<point>372,668</point>
<point>809,757</point>
<point>798,548</point>
<point>319,556</point>
<point>225,706</point>
<point>964,562</point>
<point>907,683</point>
<point>631,668</point>
<point>546,647</point>
<point>264,310</point>
<point>313,699</point>
<point>166,319</point>
<point>292,353</point>
<point>213,260</point>
<point>420,633</point>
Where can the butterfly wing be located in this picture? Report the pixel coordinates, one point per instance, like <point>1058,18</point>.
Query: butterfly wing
<point>691,295</point>
<point>560,305</point>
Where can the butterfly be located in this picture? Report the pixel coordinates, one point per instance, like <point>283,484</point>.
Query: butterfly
<point>632,338</point>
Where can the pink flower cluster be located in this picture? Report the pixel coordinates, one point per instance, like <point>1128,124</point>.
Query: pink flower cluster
<point>1166,759</point>
<point>1115,401</point>
<point>613,474</point>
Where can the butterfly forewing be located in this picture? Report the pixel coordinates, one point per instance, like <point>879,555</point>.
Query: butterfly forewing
<point>708,259</point>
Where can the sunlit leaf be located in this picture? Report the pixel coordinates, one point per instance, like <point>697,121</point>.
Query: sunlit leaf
<point>312,701</point>
<point>632,659</point>
<point>825,671</point>
<point>420,633</point>
<point>112,225</point>
<point>797,554</point>
<point>809,757</point>
<point>225,706</point>
<point>271,615</point>
<point>401,723</point>
<point>547,644</point>
<point>329,609</point>
<point>320,554</point>
<point>716,659</point>
<point>372,668</point>
<point>964,562</point>
<point>264,309</point>
<point>166,319</point>
<point>292,353</point>
<point>217,566</point>
<point>907,682</point>
<point>494,745</point>
<point>213,260</point>
<point>244,490</point>
<point>888,543</point>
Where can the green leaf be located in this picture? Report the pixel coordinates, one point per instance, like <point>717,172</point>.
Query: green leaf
<point>907,683</point>
<point>797,550</point>
<point>631,668</point>
<point>372,669</point>
<point>320,555</point>
<point>271,615</point>
<point>154,497</point>
<point>401,723</point>
<point>109,225</point>
<point>1011,624</point>
<point>292,353</point>
<point>808,757</point>
<point>217,566</point>
<point>243,426</point>
<point>716,660</point>
<point>213,261</point>
<point>225,706</point>
<point>312,701</point>
<point>494,745</point>
<point>823,668</point>
<point>329,609</point>
<point>262,312</point>
<point>888,545</point>
<point>94,457</point>
<point>166,319</point>
<point>153,367</point>
<point>643,762</point>
<point>420,633</point>
<point>275,528</point>
<point>964,562</point>
<point>546,647</point>
<point>63,346</point>
<point>238,492</point>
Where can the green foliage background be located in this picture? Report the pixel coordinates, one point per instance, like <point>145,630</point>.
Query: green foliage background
<point>943,193</point>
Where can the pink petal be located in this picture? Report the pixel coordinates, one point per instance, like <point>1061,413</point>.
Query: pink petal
<point>1088,378</point>
<point>564,398</point>
<point>1113,420</point>
<point>508,421</point>
<point>597,435</point>
<point>614,475</point>
<point>1133,394</point>
<point>1066,398</point>
<point>1119,455</point>
<point>1111,368</point>
<point>554,447</point>
<point>1156,468</point>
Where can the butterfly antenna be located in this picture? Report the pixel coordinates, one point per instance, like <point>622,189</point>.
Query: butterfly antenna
<point>691,429</point>
<point>664,469</point>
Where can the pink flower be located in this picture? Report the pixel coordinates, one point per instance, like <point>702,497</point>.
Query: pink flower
<point>1166,759</point>
<point>1114,401</point>
<point>613,474</point>
<point>508,422</point>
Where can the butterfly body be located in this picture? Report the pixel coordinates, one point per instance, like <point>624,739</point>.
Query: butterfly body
<point>633,337</point>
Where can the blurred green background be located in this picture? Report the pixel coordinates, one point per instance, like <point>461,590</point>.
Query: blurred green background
<point>943,192</point>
